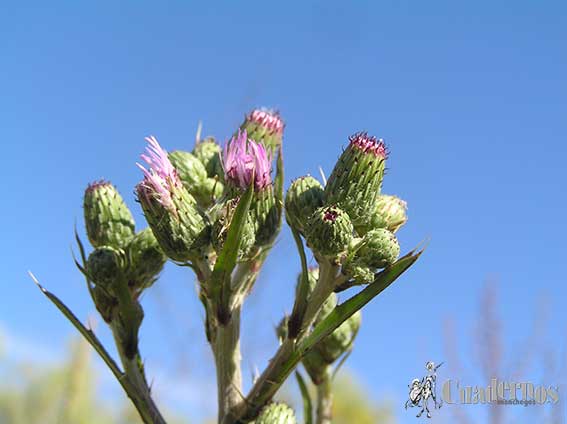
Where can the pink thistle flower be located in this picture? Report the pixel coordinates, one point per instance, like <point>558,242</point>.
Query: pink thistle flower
<point>267,119</point>
<point>368,144</point>
<point>245,162</point>
<point>161,177</point>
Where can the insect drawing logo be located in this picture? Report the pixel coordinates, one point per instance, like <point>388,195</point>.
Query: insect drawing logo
<point>424,390</point>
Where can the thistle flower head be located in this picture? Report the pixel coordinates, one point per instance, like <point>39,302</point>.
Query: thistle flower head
<point>268,119</point>
<point>265,127</point>
<point>368,144</point>
<point>246,162</point>
<point>356,180</point>
<point>161,177</point>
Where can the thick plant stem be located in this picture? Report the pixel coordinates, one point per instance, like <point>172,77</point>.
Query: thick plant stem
<point>226,350</point>
<point>325,286</point>
<point>325,400</point>
<point>141,395</point>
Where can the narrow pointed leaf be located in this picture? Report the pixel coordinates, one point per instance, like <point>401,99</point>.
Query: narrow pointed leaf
<point>85,332</point>
<point>346,309</point>
<point>307,403</point>
<point>300,303</point>
<point>226,260</point>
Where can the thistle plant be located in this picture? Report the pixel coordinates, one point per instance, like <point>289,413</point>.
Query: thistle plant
<point>217,211</point>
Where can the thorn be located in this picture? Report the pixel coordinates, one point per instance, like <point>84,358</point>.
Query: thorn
<point>37,282</point>
<point>323,177</point>
<point>199,130</point>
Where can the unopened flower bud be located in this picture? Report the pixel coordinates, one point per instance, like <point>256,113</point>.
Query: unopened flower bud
<point>302,198</point>
<point>193,175</point>
<point>105,266</point>
<point>179,227</point>
<point>222,224</point>
<point>389,213</point>
<point>208,152</point>
<point>356,180</point>
<point>266,127</point>
<point>276,413</point>
<point>336,343</point>
<point>265,216</point>
<point>378,248</point>
<point>108,220</point>
<point>189,169</point>
<point>208,192</point>
<point>145,260</point>
<point>329,231</point>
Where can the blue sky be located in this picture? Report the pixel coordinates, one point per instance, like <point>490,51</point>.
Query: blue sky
<point>471,98</point>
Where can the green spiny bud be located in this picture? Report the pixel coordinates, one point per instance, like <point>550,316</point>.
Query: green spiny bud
<point>105,266</point>
<point>265,216</point>
<point>336,343</point>
<point>377,249</point>
<point>145,260</point>
<point>329,231</point>
<point>360,273</point>
<point>180,228</point>
<point>208,192</point>
<point>356,180</point>
<point>223,219</point>
<point>181,231</point>
<point>390,213</point>
<point>302,198</point>
<point>208,152</point>
<point>108,220</point>
<point>276,413</point>
<point>189,169</point>
<point>266,127</point>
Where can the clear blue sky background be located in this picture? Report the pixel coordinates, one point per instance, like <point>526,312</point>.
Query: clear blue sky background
<point>471,98</point>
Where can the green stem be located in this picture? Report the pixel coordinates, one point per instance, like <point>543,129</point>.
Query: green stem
<point>226,350</point>
<point>325,400</point>
<point>290,352</point>
<point>134,373</point>
<point>323,289</point>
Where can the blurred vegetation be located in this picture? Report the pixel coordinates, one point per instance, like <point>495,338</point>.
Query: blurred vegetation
<point>67,394</point>
<point>62,394</point>
<point>353,404</point>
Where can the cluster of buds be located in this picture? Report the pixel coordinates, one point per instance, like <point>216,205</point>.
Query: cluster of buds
<point>123,263</point>
<point>218,210</point>
<point>349,221</point>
